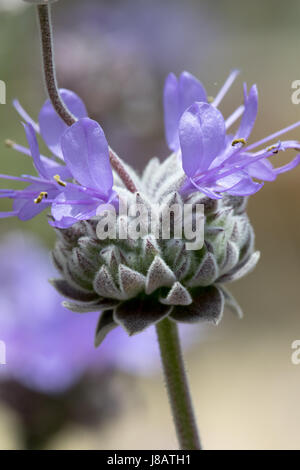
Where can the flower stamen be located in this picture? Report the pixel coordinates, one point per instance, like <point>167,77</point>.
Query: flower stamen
<point>273,147</point>
<point>239,141</point>
<point>9,143</point>
<point>59,181</point>
<point>41,196</point>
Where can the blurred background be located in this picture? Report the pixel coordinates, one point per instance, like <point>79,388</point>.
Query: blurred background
<point>116,54</point>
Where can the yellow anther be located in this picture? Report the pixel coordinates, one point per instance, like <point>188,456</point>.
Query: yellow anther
<point>272,148</point>
<point>210,99</point>
<point>40,197</point>
<point>239,141</point>
<point>9,143</point>
<point>59,181</point>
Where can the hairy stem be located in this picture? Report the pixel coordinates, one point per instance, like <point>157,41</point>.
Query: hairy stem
<point>44,17</point>
<point>176,384</point>
<point>119,168</point>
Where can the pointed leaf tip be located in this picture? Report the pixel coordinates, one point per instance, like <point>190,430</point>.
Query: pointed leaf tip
<point>178,295</point>
<point>159,275</point>
<point>131,282</point>
<point>208,305</point>
<point>66,290</point>
<point>105,325</point>
<point>138,314</point>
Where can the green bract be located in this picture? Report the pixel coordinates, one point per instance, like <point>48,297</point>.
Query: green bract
<point>136,283</point>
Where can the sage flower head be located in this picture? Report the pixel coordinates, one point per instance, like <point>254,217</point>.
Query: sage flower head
<point>134,282</point>
<point>137,282</point>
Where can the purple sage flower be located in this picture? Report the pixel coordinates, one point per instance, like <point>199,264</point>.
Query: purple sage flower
<point>48,183</point>
<point>83,155</point>
<point>214,161</point>
<point>135,283</point>
<point>86,154</point>
<point>52,171</point>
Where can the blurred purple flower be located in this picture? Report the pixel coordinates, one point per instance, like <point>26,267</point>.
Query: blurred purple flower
<point>48,347</point>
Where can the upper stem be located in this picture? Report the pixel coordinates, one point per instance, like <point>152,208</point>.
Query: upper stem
<point>44,16</point>
<point>119,168</point>
<point>177,386</point>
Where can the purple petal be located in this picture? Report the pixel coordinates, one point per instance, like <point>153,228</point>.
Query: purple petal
<point>263,170</point>
<point>64,222</point>
<point>273,136</point>
<point>54,168</point>
<point>73,205</point>
<point>287,144</point>
<point>171,111</point>
<point>4,193</point>
<point>230,181</point>
<point>190,91</point>
<point>24,115</point>
<point>229,81</point>
<point>52,126</point>
<point>17,178</point>
<point>289,166</point>
<point>234,116</point>
<point>211,194</point>
<point>27,209</point>
<point>51,166</point>
<point>202,137</point>
<point>178,97</point>
<point>34,150</point>
<point>245,187</point>
<point>204,189</point>
<point>190,186</point>
<point>4,215</point>
<point>250,113</point>
<point>86,154</point>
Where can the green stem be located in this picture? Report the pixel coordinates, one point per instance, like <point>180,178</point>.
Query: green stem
<point>176,384</point>
<point>44,17</point>
<point>46,32</point>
